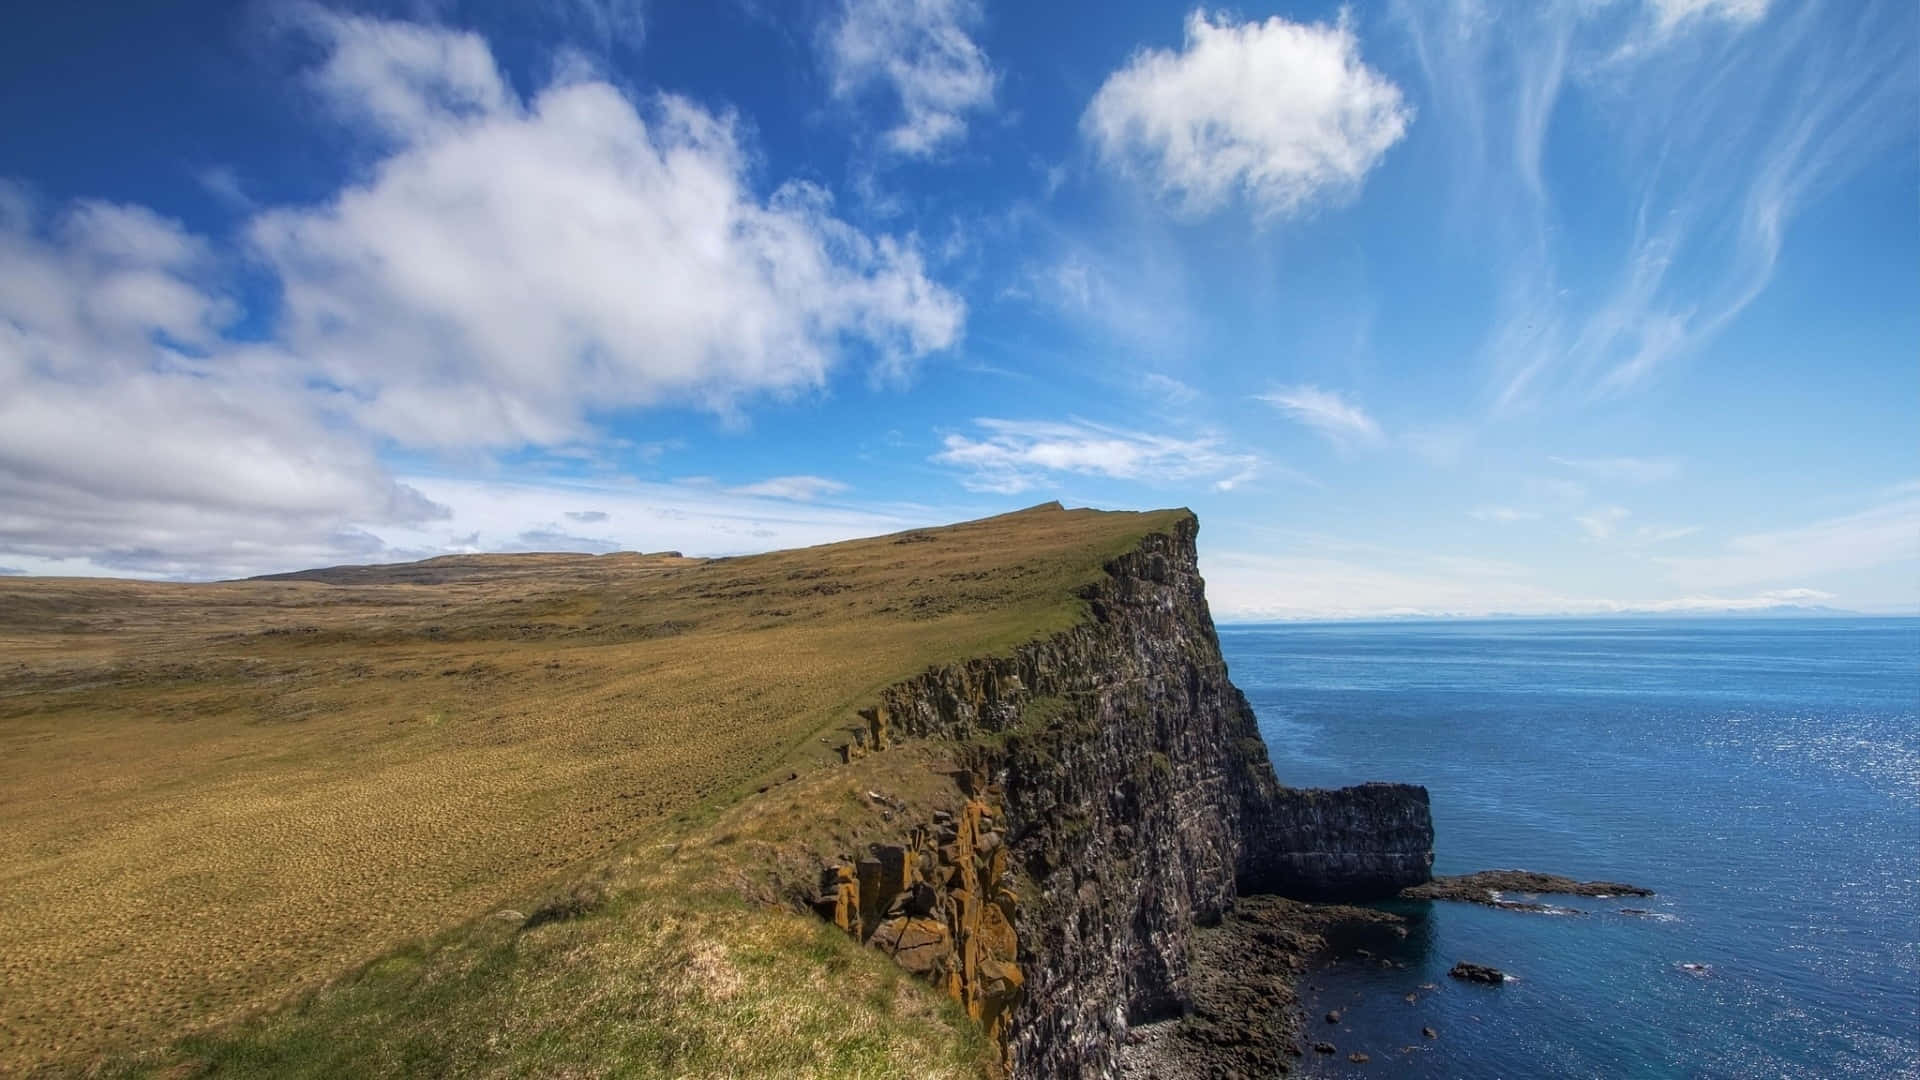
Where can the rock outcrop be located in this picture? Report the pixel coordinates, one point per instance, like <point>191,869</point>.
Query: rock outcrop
<point>943,906</point>
<point>1488,886</point>
<point>1353,843</point>
<point>1132,801</point>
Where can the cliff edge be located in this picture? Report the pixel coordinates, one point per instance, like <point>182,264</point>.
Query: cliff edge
<point>1130,800</point>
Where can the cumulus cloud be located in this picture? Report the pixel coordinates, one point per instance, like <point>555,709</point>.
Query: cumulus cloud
<point>1017,455</point>
<point>923,54</point>
<point>800,488</point>
<point>1327,412</point>
<point>513,265</point>
<point>132,434</point>
<point>1283,114</point>
<point>505,272</point>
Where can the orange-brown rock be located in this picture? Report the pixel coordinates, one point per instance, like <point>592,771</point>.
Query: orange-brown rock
<point>921,945</point>
<point>839,901</point>
<point>942,906</point>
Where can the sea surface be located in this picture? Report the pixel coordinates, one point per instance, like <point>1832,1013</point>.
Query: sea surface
<point>1762,775</point>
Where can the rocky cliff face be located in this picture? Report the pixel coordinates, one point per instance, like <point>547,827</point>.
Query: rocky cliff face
<point>1131,800</point>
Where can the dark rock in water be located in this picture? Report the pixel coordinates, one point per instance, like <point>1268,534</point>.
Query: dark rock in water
<point>1333,1017</point>
<point>1479,973</point>
<point>1485,886</point>
<point>1324,1048</point>
<point>1356,843</point>
<point>1429,1033</point>
<point>1358,1058</point>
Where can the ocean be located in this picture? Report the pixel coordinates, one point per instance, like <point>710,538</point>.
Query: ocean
<point>1761,775</point>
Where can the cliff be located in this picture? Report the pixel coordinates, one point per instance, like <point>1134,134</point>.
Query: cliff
<point>1131,800</point>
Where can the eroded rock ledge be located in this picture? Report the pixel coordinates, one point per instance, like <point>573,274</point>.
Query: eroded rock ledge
<point>1125,799</point>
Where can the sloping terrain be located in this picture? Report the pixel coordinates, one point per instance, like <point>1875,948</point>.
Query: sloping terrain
<point>215,796</point>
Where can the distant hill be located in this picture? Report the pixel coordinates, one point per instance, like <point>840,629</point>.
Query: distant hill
<point>449,569</point>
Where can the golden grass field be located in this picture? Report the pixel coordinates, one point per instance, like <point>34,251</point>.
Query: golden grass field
<point>216,798</point>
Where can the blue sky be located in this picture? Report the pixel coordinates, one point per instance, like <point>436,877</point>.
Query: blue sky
<point>1429,307</point>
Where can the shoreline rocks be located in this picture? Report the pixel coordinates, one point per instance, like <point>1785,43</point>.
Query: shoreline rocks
<point>1244,1017</point>
<point>1486,886</point>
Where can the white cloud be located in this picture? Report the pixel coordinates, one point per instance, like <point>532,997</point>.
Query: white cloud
<point>1503,514</point>
<point>1649,535</point>
<point>1601,521</point>
<point>1881,535</point>
<point>920,50</point>
<point>514,265</point>
<point>1669,14</point>
<point>1327,412</point>
<point>1017,455</point>
<point>689,518</point>
<point>1630,470</point>
<point>503,273</point>
<point>131,435</point>
<point>1281,113</point>
<point>1168,389</point>
<point>801,488</point>
<point>1727,138</point>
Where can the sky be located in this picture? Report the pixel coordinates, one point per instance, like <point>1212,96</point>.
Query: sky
<point>1434,307</point>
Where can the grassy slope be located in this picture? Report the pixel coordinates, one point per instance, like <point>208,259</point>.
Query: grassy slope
<point>213,797</point>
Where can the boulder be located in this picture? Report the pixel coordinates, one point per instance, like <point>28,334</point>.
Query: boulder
<point>1478,973</point>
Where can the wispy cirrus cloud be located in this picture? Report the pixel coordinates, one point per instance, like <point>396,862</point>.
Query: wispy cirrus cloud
<point>1326,411</point>
<point>1012,456</point>
<point>1601,521</point>
<point>1732,118</point>
<point>797,488</point>
<point>1883,534</point>
<point>1283,115</point>
<point>1503,514</point>
<point>1631,470</point>
<point>1669,15</point>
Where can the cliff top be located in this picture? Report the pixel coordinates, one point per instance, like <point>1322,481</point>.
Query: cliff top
<point>219,795</point>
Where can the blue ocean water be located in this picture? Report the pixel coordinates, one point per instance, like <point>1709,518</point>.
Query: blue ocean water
<point>1762,775</point>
